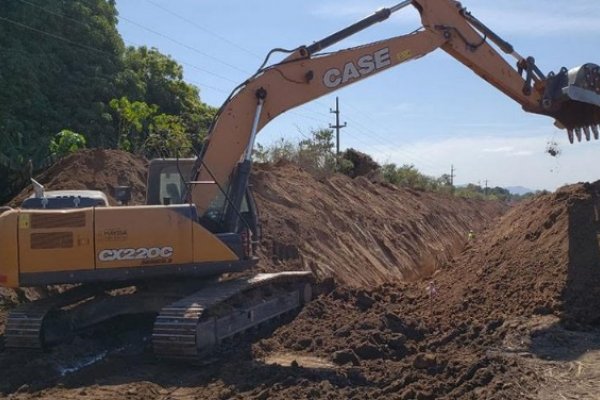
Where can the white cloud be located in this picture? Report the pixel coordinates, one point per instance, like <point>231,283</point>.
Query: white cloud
<point>504,149</point>
<point>522,153</point>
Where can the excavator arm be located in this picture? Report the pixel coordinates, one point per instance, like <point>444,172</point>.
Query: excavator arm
<point>572,98</point>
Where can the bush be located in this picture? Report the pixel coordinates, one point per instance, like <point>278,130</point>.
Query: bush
<point>66,142</point>
<point>355,163</point>
<point>314,155</point>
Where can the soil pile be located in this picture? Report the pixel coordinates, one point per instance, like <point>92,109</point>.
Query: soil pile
<point>542,258</point>
<point>360,232</point>
<point>482,329</point>
<point>95,169</point>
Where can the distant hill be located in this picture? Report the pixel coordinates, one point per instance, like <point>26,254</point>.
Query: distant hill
<point>520,190</point>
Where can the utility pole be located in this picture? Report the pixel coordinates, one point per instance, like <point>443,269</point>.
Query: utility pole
<point>486,187</point>
<point>452,178</point>
<point>337,127</point>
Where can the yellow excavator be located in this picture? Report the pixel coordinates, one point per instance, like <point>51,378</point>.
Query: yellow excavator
<point>200,221</point>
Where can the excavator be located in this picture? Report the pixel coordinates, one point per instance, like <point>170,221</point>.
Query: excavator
<point>189,252</point>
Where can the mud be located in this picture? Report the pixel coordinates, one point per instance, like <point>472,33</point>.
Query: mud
<point>510,314</point>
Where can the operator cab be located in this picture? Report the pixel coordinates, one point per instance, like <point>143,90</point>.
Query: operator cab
<point>167,184</point>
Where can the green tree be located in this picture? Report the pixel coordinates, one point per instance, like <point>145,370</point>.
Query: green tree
<point>355,163</point>
<point>409,176</point>
<point>134,119</point>
<point>59,64</point>
<point>283,149</point>
<point>154,78</point>
<point>62,64</point>
<point>66,142</point>
<point>316,153</point>
<point>167,138</point>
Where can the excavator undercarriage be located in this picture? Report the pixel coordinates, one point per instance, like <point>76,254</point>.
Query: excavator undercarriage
<point>191,317</point>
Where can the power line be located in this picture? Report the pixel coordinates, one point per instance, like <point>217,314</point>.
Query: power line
<point>396,147</point>
<point>184,45</point>
<point>195,24</point>
<point>357,137</point>
<point>208,72</point>
<point>83,46</point>
<point>87,26</point>
<point>54,13</point>
<point>152,31</point>
<point>376,149</point>
<point>379,139</point>
<point>58,37</point>
<point>422,159</point>
<point>384,141</point>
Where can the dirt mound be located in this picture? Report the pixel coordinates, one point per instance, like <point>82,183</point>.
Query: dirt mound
<point>542,258</point>
<point>484,328</point>
<point>390,342</point>
<point>95,169</point>
<point>360,232</point>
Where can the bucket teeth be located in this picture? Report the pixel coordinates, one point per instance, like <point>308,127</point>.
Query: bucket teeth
<point>588,131</point>
<point>571,136</point>
<point>572,97</point>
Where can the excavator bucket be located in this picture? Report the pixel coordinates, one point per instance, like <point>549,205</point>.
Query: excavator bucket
<point>572,97</point>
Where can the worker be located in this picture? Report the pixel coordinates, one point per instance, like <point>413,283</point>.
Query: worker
<point>471,235</point>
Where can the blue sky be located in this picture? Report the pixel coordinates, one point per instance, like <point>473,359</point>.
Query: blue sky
<point>432,112</point>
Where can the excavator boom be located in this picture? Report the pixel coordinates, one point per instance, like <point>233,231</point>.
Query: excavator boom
<point>572,98</point>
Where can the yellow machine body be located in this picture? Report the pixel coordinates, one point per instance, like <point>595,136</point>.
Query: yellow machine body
<point>104,243</point>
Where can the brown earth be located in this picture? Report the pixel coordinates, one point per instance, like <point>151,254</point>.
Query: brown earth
<point>94,169</point>
<point>513,316</point>
<point>362,233</point>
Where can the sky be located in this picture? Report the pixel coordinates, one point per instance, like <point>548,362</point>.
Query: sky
<point>433,112</point>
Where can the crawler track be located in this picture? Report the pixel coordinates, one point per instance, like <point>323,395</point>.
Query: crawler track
<point>188,326</point>
<point>25,324</point>
<point>192,315</point>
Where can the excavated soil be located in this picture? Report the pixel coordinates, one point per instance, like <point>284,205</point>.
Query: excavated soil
<point>362,233</point>
<point>94,169</point>
<point>512,314</point>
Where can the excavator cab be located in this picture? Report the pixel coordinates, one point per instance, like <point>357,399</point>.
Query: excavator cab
<point>167,180</point>
<point>572,97</point>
